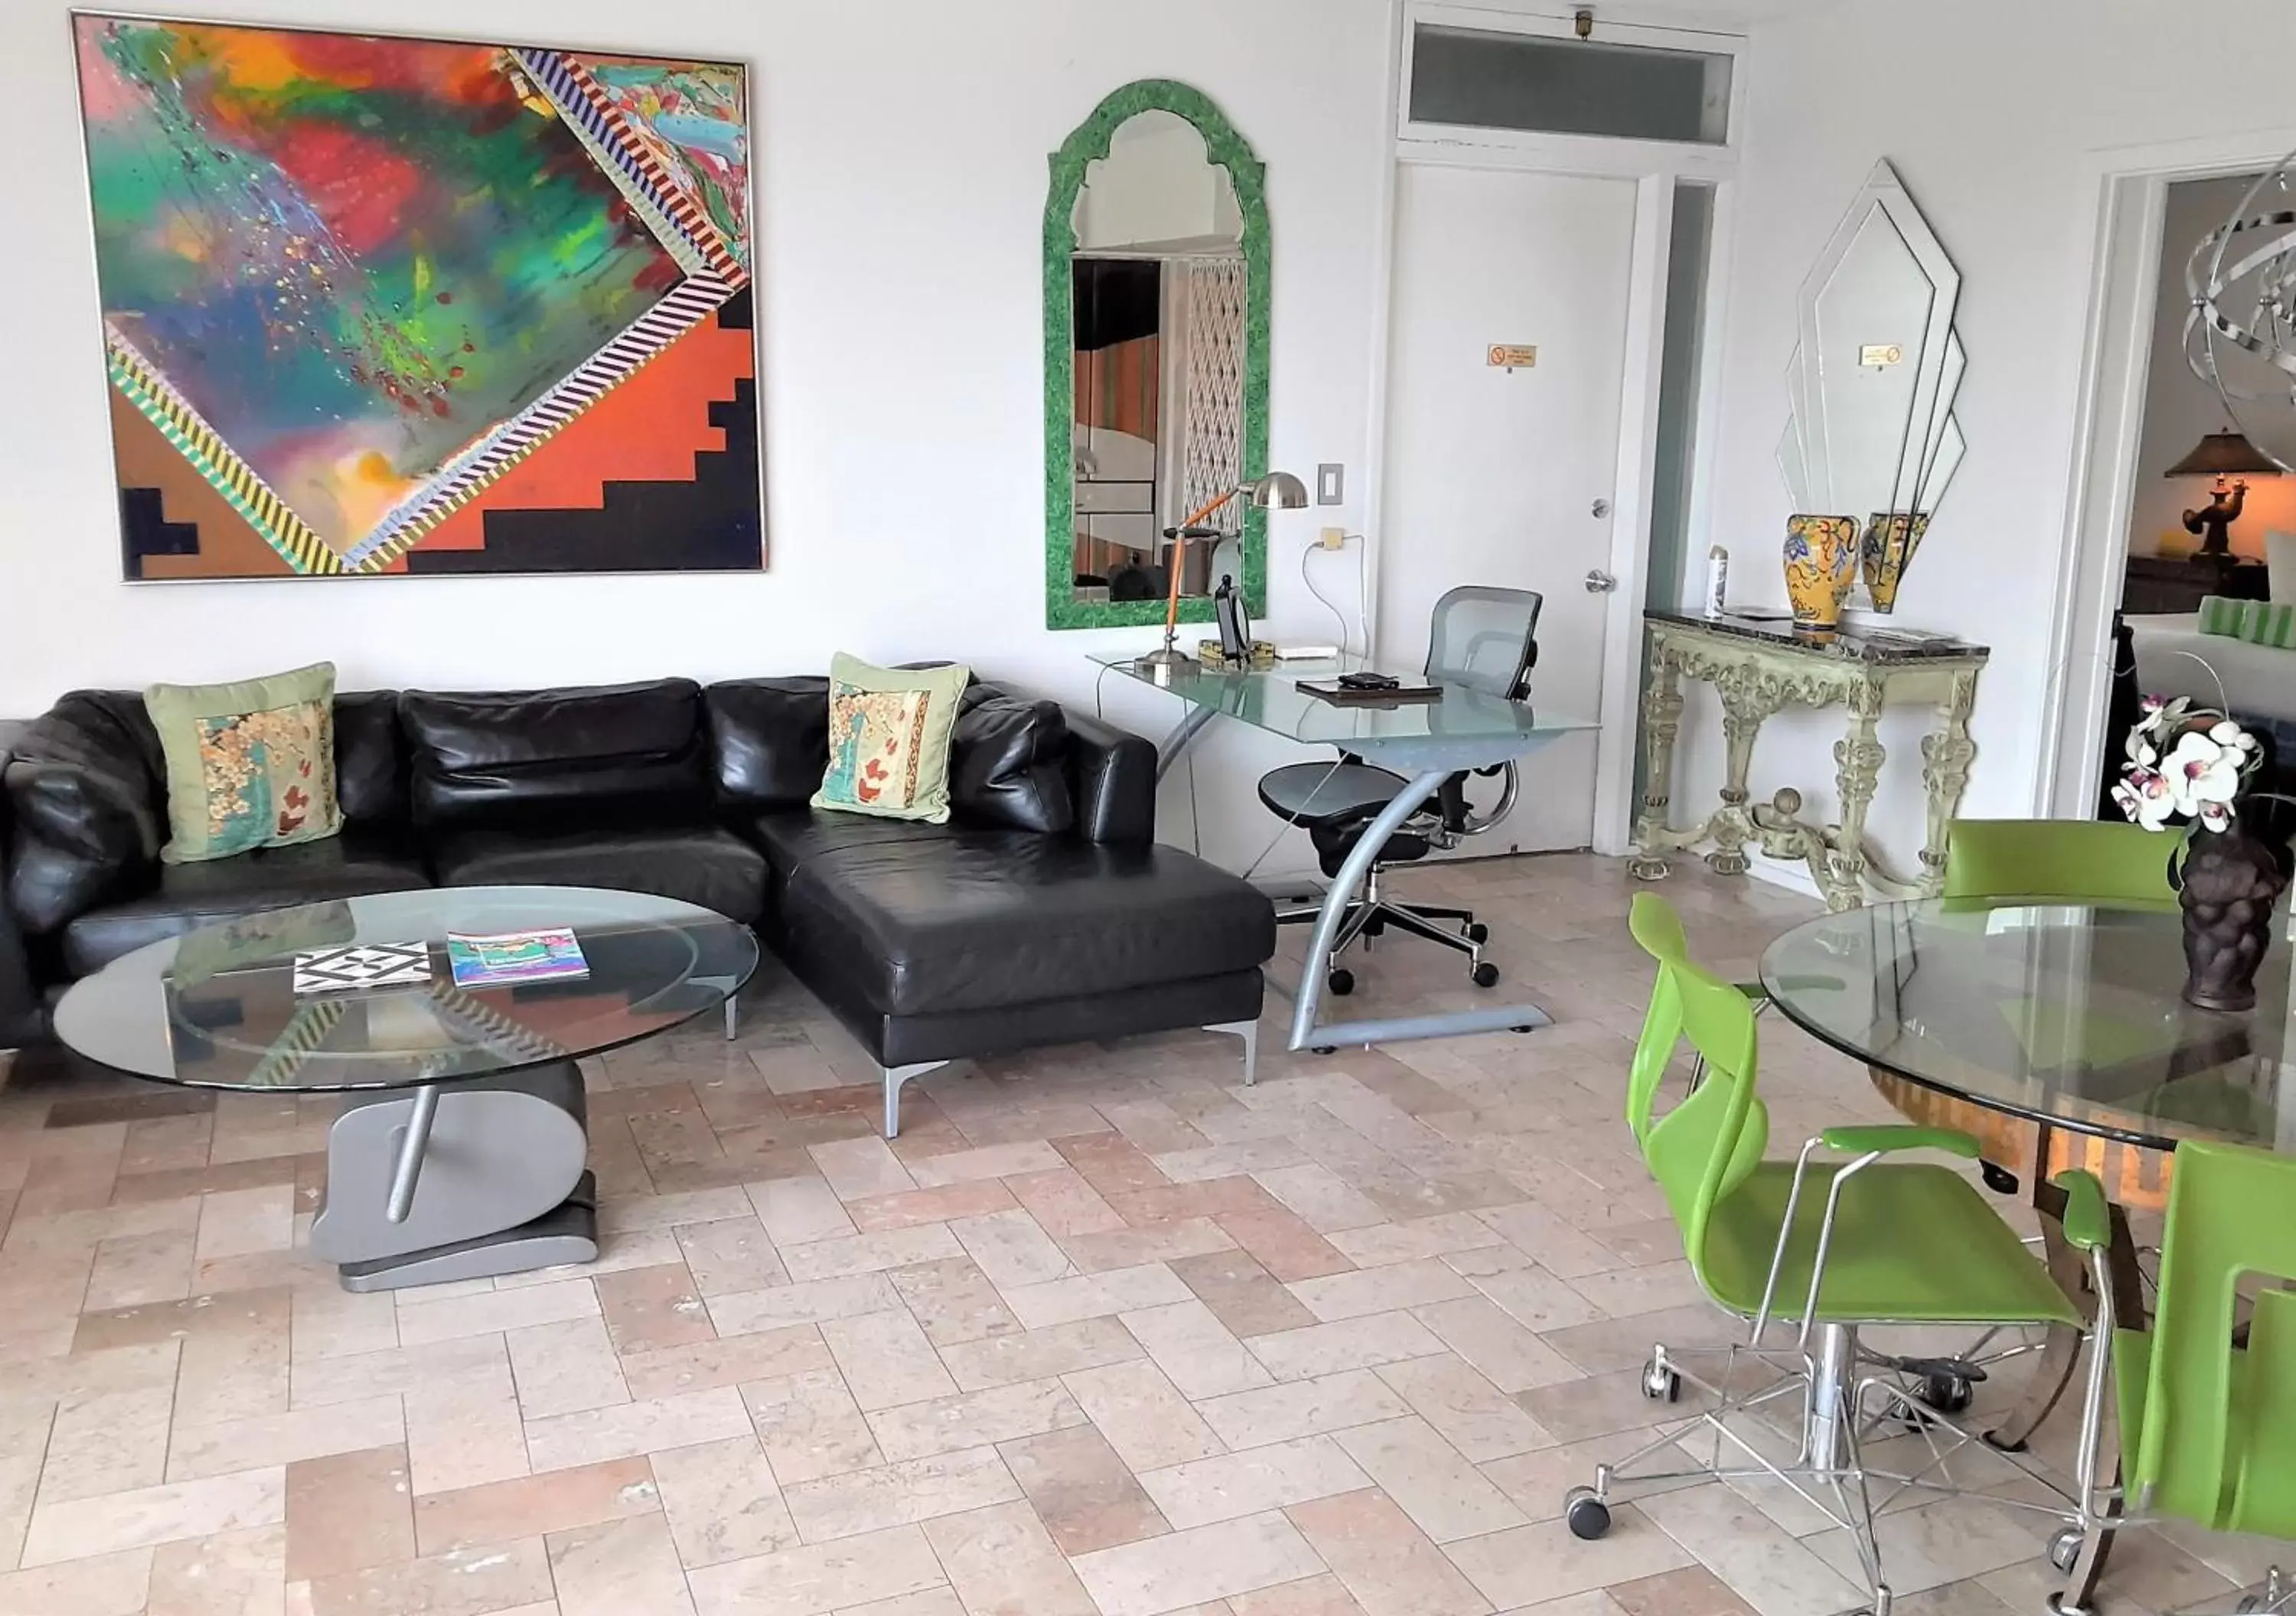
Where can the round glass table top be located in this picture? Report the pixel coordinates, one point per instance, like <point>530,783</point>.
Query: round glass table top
<point>219,1008</point>
<point>2059,1013</point>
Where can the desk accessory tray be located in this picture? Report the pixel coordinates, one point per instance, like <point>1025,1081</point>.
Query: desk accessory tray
<point>1345,696</point>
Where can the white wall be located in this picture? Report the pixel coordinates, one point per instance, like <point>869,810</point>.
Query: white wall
<point>2179,407</point>
<point>901,175</point>
<point>1992,114</point>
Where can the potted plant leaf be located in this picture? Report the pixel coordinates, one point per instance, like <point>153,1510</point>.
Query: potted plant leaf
<point>2189,772</point>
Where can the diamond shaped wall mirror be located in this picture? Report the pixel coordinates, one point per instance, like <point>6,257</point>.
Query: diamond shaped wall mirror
<point>1870,433</point>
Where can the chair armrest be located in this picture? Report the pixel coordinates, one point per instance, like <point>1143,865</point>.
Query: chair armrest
<point>1888,1138</point>
<point>2088,1219</point>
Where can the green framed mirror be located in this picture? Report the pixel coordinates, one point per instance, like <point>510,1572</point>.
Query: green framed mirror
<point>1156,316</point>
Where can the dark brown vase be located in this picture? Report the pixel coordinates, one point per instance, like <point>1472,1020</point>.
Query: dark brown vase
<point>2230,883</point>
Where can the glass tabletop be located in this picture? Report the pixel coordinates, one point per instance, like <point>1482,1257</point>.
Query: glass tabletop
<point>1271,699</point>
<point>217,1008</point>
<point>2065,1014</point>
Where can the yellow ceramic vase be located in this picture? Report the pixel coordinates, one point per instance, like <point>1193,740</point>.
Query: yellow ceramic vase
<point>1890,540</point>
<point>1821,561</point>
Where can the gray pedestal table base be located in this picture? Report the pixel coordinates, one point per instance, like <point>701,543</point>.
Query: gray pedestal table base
<point>461,1179</point>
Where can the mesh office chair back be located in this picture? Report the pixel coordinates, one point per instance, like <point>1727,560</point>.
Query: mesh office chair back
<point>1485,639</point>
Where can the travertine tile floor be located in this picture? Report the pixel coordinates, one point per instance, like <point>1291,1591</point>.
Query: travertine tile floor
<point>1103,1334</point>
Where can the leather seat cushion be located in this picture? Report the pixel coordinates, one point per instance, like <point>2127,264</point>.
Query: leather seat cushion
<point>188,896</point>
<point>697,864</point>
<point>792,837</point>
<point>977,919</point>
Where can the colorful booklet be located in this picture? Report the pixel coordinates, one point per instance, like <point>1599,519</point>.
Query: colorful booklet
<point>547,955</point>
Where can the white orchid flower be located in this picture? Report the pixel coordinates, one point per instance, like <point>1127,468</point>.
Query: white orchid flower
<point>2144,796</point>
<point>2225,732</point>
<point>2200,770</point>
<point>2216,816</point>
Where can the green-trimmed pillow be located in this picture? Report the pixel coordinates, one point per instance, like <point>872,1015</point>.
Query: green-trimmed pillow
<point>888,731</point>
<point>250,764</point>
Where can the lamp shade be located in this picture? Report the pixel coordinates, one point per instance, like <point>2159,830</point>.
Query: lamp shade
<point>1282,490</point>
<point>2226,453</point>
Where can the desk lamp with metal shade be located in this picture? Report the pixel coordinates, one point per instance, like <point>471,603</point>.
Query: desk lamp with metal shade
<point>1276,490</point>
<point>2222,454</point>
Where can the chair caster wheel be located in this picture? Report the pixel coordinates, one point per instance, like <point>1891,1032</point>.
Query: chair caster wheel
<point>1587,1515</point>
<point>1479,933</point>
<point>1341,982</point>
<point>1522,1029</point>
<point>2065,1548</point>
<point>1946,1393</point>
<point>1486,974</point>
<point>2000,1180</point>
<point>1661,1384</point>
<point>1327,1048</point>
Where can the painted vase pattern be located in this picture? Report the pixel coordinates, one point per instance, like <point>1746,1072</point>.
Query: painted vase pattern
<point>1890,540</point>
<point>1821,561</point>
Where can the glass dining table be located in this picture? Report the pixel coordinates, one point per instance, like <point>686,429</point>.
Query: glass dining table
<point>2057,1036</point>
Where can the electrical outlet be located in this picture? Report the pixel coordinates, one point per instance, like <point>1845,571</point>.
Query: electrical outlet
<point>1333,538</point>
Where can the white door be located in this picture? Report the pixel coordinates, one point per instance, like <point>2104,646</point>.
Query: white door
<point>1506,477</point>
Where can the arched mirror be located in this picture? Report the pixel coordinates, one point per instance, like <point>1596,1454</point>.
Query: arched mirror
<point>1156,298</point>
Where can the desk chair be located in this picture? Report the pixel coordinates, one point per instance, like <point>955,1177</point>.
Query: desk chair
<point>1483,637</point>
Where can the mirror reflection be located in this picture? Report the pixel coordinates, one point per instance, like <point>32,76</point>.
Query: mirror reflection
<point>1159,337</point>
<point>1870,434</point>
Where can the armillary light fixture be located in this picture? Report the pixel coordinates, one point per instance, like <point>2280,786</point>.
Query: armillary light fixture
<point>2242,278</point>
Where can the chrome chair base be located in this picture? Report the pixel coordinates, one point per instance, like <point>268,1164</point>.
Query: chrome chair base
<point>1373,912</point>
<point>1840,1398</point>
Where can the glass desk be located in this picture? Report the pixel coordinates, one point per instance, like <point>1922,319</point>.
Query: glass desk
<point>492,1133</point>
<point>1424,741</point>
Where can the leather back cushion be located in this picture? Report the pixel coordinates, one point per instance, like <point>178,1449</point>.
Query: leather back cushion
<point>1007,763</point>
<point>768,740</point>
<point>557,759</point>
<point>370,761</point>
<point>84,788</point>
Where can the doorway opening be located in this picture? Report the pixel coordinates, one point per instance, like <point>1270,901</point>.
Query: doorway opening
<point>2155,530</point>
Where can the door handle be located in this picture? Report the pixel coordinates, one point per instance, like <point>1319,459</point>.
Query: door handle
<point>1600,582</point>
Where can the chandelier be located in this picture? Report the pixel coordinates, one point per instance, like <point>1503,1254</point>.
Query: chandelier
<point>2241,280</point>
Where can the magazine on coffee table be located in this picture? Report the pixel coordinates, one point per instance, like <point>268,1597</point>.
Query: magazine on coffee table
<point>490,960</point>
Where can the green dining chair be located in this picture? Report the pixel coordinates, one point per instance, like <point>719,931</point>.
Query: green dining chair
<point>2057,862</point>
<point>1822,1248</point>
<point>2208,1424</point>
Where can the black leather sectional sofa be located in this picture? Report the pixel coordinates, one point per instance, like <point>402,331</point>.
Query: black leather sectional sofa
<point>1044,911</point>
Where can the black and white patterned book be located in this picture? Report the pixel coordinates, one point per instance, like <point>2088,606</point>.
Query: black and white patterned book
<point>369,965</point>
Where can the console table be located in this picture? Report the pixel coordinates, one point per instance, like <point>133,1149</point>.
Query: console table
<point>1758,666</point>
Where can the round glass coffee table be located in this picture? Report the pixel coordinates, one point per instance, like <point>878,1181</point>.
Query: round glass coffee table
<point>461,1150</point>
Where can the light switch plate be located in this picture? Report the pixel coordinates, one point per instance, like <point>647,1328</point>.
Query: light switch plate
<point>1331,484</point>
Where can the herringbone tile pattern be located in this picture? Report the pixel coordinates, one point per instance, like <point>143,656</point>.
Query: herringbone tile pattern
<point>1103,1334</point>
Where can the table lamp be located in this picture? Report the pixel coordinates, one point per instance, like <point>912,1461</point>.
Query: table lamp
<point>2221,455</point>
<point>1276,490</point>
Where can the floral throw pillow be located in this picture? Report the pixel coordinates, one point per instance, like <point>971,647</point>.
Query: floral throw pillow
<point>250,764</point>
<point>888,731</point>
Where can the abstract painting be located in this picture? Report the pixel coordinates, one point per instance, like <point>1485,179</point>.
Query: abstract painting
<point>386,306</point>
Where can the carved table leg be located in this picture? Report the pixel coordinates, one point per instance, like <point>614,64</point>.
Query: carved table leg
<point>1946,757</point>
<point>1858,758</point>
<point>1661,722</point>
<point>1744,706</point>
